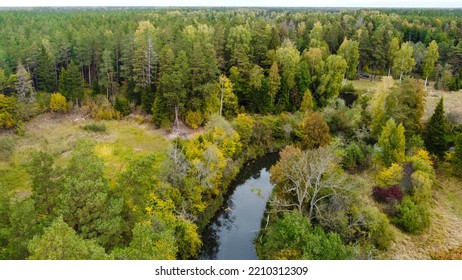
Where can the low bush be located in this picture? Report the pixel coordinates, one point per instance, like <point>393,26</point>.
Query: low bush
<point>194,119</point>
<point>353,157</point>
<point>58,103</point>
<point>413,217</point>
<point>7,146</point>
<point>95,127</point>
<point>387,194</point>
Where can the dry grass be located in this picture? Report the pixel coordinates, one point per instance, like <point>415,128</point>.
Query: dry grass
<point>452,100</point>
<point>444,232</point>
<point>452,104</point>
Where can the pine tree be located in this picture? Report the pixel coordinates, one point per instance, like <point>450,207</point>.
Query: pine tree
<point>45,71</point>
<point>71,83</point>
<point>85,200</point>
<point>60,242</point>
<point>435,133</point>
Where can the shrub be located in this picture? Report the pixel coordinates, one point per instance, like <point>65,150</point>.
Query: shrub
<point>390,176</point>
<point>378,228</point>
<point>95,127</point>
<point>8,114</point>
<point>293,236</point>
<point>194,119</point>
<point>353,157</point>
<point>413,217</point>
<point>387,195</point>
<point>58,103</point>
<point>43,101</point>
<point>7,146</point>
<point>421,186</point>
<point>122,105</point>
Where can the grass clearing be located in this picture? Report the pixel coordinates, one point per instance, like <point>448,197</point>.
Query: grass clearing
<point>58,134</point>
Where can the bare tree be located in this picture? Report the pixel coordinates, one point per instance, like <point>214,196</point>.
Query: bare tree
<point>303,179</point>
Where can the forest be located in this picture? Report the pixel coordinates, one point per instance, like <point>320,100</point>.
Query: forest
<point>121,130</point>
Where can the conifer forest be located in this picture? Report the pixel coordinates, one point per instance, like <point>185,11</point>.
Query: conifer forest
<point>124,132</point>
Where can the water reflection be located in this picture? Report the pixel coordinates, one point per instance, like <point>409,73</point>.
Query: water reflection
<point>231,233</point>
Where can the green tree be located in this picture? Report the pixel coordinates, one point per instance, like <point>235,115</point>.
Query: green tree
<point>391,143</point>
<point>436,130</point>
<point>150,243</point>
<point>293,237</point>
<point>393,49</point>
<point>71,83</point>
<point>406,104</point>
<point>288,58</point>
<point>107,73</point>
<point>22,227</point>
<point>349,50</point>
<point>431,57</point>
<point>45,183</point>
<point>317,38</point>
<point>85,201</point>
<point>274,82</point>
<point>3,80</point>
<point>377,106</point>
<point>61,242</point>
<point>457,157</point>
<point>45,71</point>
<point>403,61</point>
<point>331,79</point>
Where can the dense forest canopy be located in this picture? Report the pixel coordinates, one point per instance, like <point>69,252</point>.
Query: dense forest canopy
<point>146,49</point>
<point>357,164</point>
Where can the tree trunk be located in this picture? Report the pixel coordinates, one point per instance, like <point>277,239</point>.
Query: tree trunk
<point>426,80</point>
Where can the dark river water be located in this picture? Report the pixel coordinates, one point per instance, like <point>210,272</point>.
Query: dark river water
<point>231,233</point>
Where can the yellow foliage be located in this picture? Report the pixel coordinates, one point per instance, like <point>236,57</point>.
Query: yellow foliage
<point>390,176</point>
<point>425,155</point>
<point>194,119</point>
<point>58,103</point>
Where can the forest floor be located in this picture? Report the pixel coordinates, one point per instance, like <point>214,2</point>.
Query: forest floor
<point>58,134</point>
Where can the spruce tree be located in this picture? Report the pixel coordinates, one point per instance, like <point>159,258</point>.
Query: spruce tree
<point>457,158</point>
<point>435,133</point>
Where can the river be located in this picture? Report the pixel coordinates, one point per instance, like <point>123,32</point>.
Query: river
<point>231,233</point>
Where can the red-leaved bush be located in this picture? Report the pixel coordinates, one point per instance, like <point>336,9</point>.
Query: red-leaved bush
<point>387,195</point>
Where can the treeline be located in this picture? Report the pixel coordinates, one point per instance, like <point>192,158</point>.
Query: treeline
<point>267,59</point>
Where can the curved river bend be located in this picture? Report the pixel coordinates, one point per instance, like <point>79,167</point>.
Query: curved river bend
<point>231,233</point>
